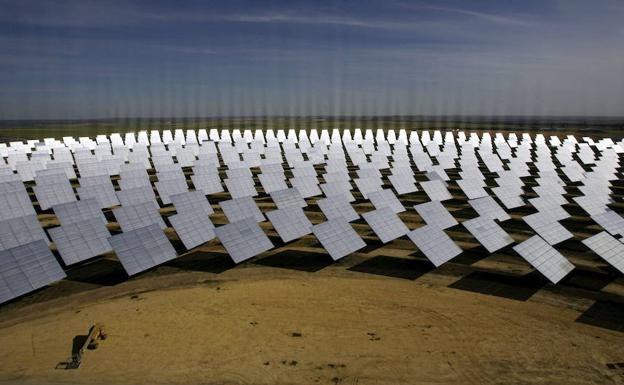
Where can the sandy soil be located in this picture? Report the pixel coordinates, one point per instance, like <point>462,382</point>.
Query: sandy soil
<point>258,325</point>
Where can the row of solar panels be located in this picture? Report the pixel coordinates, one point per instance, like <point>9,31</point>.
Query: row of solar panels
<point>83,233</point>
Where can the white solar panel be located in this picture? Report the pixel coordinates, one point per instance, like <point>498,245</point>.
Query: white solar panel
<point>368,185</point>
<point>26,268</point>
<point>610,221</point>
<point>544,258</point>
<point>306,185</point>
<point>20,231</point>
<point>241,208</point>
<point>81,240</point>
<point>136,216</point>
<point>191,202</point>
<point>126,183</point>
<point>337,208</point>
<point>488,208</point>
<point>71,212</point>
<point>193,228</point>
<point>547,227</point>
<point>169,187</point>
<point>243,239</point>
<point>240,187</point>
<point>488,233</point>
<point>473,188</point>
<point>608,248</point>
<point>273,181</point>
<point>386,198</point>
<point>290,223</point>
<point>136,196</point>
<point>142,248</point>
<point>104,194</point>
<point>337,189</point>
<point>509,197</point>
<point>402,185</point>
<point>208,183</point>
<point>436,190</point>
<point>434,244</point>
<point>435,215</point>
<point>14,201</point>
<point>289,197</point>
<point>386,224</point>
<point>338,238</point>
<point>54,194</point>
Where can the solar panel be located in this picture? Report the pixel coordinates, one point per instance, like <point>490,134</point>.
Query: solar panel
<point>386,224</point>
<point>127,183</point>
<point>544,258</point>
<point>71,212</point>
<point>435,244</point>
<point>193,228</point>
<point>306,185</point>
<point>488,233</point>
<point>337,208</point>
<point>488,208</point>
<point>208,183</point>
<point>289,197</point>
<point>273,181</point>
<point>191,202</point>
<point>386,198</point>
<point>368,185</point>
<point>104,194</point>
<point>338,238</point>
<point>169,187</point>
<point>402,185</point>
<point>548,228</point>
<point>290,223</point>
<point>610,221</point>
<point>473,188</point>
<point>26,268</point>
<point>138,215</point>
<point>240,187</point>
<point>54,194</point>
<point>241,208</point>
<point>591,205</point>
<point>243,239</point>
<point>80,240</point>
<point>20,231</point>
<point>435,215</point>
<point>337,189</point>
<point>14,201</point>
<point>142,248</point>
<point>608,248</point>
<point>136,196</point>
<point>436,190</point>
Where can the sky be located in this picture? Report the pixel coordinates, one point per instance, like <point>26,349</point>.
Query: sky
<point>81,59</point>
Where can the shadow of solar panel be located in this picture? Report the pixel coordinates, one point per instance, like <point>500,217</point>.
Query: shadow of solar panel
<point>103,272</point>
<point>588,280</point>
<point>371,245</point>
<point>519,288</point>
<point>394,267</point>
<point>297,260</point>
<point>606,315</point>
<point>470,256</point>
<point>206,261</point>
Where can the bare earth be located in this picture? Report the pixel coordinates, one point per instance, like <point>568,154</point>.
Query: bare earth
<point>260,325</point>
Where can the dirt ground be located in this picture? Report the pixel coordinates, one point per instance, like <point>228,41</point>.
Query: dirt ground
<point>260,325</point>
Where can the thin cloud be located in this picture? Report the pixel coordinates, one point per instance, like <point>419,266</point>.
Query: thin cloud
<point>490,17</point>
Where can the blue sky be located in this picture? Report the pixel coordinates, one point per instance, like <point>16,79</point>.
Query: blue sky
<point>96,59</point>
